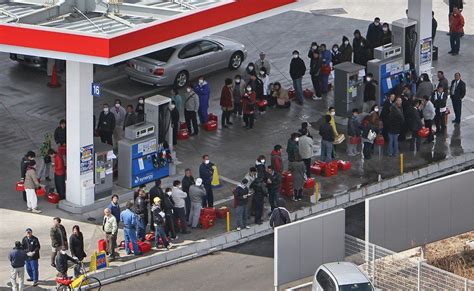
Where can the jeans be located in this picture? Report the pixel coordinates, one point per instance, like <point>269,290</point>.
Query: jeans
<point>141,228</point>
<point>208,200</point>
<point>180,213</point>
<point>32,269</point>
<point>393,144</point>
<point>20,274</point>
<point>190,118</point>
<point>325,81</point>
<point>241,215</point>
<point>457,107</point>
<point>203,115</point>
<point>130,236</point>
<point>455,40</point>
<point>297,84</point>
<point>194,214</point>
<point>351,148</point>
<point>160,233</point>
<point>326,151</point>
<point>77,269</point>
<point>60,183</point>
<point>272,198</point>
<point>44,170</point>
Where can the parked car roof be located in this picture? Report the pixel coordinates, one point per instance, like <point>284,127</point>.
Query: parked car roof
<point>346,273</point>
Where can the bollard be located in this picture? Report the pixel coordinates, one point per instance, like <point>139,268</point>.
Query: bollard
<point>401,164</point>
<point>228,221</point>
<point>316,192</point>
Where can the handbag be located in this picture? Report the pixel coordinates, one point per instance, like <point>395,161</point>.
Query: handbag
<point>371,135</point>
<point>326,69</point>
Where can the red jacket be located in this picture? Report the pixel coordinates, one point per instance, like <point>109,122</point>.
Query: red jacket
<point>59,169</point>
<point>276,161</point>
<point>248,103</point>
<point>456,23</point>
<point>226,97</point>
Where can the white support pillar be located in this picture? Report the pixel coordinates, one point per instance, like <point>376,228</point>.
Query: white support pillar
<point>79,119</point>
<point>420,10</point>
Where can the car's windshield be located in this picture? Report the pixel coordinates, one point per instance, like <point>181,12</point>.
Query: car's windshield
<point>356,287</point>
<point>162,55</point>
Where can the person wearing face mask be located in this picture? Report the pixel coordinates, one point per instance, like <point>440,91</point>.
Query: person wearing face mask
<point>298,171</point>
<point>327,138</point>
<point>226,102</point>
<point>196,194</point>
<point>369,92</point>
<point>315,67</point>
<point>31,183</point>
<point>374,34</point>
<point>174,121</point>
<point>346,50</point>
<point>263,76</point>
<point>425,87</point>
<point>313,48</point>
<point>292,146</point>
<point>167,205</point>
<point>249,71</point>
<point>385,113</point>
<point>360,48</point>
<point>273,185</point>
<point>130,222</point>
<point>326,58</point>
<point>305,149</point>
<point>335,55</point>
<point>130,117</point>
<point>279,96</point>
<point>203,91</point>
<point>353,131</point>
<point>238,91</point>
<point>456,29</point>
<point>374,117</point>
<point>332,112</point>
<point>262,62</point>
<point>179,209</point>
<point>106,125</point>
<point>248,107</point>
<point>178,100</point>
<point>140,110</point>
<point>260,166</point>
<point>387,34</point>
<point>414,124</point>
<point>119,113</point>
<point>429,114</point>
<point>241,199</point>
<point>191,107</point>
<point>297,71</point>
<point>206,172</point>
<point>305,126</point>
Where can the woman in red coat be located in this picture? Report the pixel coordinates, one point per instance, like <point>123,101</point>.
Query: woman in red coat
<point>227,103</point>
<point>59,173</point>
<point>248,107</point>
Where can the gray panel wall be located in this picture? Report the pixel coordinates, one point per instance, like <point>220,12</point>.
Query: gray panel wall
<point>421,214</point>
<point>302,246</point>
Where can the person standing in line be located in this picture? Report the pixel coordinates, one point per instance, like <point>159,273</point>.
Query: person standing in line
<point>31,184</point>
<point>292,146</point>
<point>60,133</point>
<point>458,91</point>
<point>248,107</point>
<point>456,29</point>
<point>141,210</point>
<point>424,87</point>
<point>443,82</point>
<point>31,245</point>
<point>110,227</point>
<point>279,97</point>
<point>178,100</point>
<point>17,258</point>
<point>265,83</point>
<point>130,117</point>
<point>298,171</point>
<point>140,110</point>
<point>262,62</point>
<point>155,191</point>
<point>241,195</point>
<point>106,125</point>
<point>297,71</point>
<point>206,172</point>
<point>258,191</point>
<point>325,56</point>
<point>434,26</point>
<point>369,92</point>
<point>396,121</point>
<point>76,245</point>
<point>439,101</point>
<point>250,71</point>
<point>191,107</point>
<point>414,124</point>
<point>167,205</point>
<point>305,126</point>
<point>429,114</point>
<point>114,207</point>
<point>196,194</point>
<point>374,34</point>
<point>119,113</point>
<point>58,239</point>
<point>226,103</point>
<point>130,222</point>
<point>361,49</point>
<point>203,91</point>
<point>238,91</point>
<point>346,50</point>
<point>59,173</point>
<point>335,54</point>
<point>327,138</point>
<point>179,209</point>
<point>158,222</point>
<point>25,162</point>
<point>280,215</point>
<point>276,160</point>
<point>316,77</point>
<point>186,183</point>
<point>274,186</point>
<point>174,121</point>
<point>305,149</point>
<point>387,34</point>
<point>353,131</point>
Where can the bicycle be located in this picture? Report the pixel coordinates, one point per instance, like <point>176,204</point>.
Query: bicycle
<point>80,283</point>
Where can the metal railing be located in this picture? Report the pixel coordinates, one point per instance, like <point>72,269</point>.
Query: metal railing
<point>398,271</point>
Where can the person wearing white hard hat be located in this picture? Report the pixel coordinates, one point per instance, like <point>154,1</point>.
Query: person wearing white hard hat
<point>159,222</point>
<point>196,194</point>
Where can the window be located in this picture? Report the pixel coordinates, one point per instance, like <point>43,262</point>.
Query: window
<point>325,281</point>
<point>208,46</point>
<point>356,287</point>
<point>162,55</point>
<point>189,51</point>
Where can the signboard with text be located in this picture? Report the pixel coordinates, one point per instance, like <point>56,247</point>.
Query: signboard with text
<point>87,159</point>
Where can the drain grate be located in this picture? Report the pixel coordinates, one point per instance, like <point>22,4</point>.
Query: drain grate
<point>329,11</point>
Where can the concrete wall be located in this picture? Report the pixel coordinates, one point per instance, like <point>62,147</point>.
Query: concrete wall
<point>421,214</point>
<point>301,247</point>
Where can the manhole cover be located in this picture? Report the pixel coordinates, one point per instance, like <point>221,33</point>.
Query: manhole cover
<point>330,11</point>
<point>91,219</point>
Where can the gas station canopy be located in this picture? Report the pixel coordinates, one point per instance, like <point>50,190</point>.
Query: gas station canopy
<point>110,31</point>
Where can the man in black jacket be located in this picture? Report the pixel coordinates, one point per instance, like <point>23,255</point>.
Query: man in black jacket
<point>439,99</point>
<point>58,239</point>
<point>369,92</point>
<point>316,77</point>
<point>155,191</point>
<point>186,182</point>
<point>458,91</point>
<point>274,186</point>
<point>141,209</point>
<point>61,264</point>
<point>375,34</point>
<point>106,125</point>
<point>130,117</point>
<point>395,123</point>
<point>31,245</point>
<point>241,199</point>
<point>297,71</point>
<point>327,138</point>
<point>60,133</point>
<point>206,172</point>
<point>414,124</point>
<point>167,205</point>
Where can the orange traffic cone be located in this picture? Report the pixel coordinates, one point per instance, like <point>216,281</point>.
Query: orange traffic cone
<point>54,79</point>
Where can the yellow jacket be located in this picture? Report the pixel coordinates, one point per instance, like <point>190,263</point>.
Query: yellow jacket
<point>333,124</point>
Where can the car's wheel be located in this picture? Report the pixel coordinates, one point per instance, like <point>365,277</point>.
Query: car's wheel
<point>181,79</point>
<point>236,60</point>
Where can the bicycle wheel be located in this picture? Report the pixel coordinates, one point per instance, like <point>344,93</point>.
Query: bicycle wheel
<point>63,288</point>
<point>90,283</point>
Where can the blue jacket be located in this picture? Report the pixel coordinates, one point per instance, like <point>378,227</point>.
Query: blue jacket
<point>129,219</point>
<point>203,92</point>
<point>17,257</point>
<point>115,210</point>
<point>326,56</point>
<point>206,172</point>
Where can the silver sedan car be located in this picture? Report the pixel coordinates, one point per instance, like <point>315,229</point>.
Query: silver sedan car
<point>178,64</point>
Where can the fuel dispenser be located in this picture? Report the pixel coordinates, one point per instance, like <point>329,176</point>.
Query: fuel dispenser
<point>348,79</point>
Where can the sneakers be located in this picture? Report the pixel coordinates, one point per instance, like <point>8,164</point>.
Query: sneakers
<point>317,98</point>
<point>239,229</point>
<point>28,209</point>
<point>36,211</point>
<point>29,280</point>
<point>247,227</point>
<point>35,283</point>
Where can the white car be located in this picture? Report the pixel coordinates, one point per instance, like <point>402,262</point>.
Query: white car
<point>340,276</point>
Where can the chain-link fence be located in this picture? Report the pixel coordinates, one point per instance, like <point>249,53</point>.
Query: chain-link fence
<point>398,271</point>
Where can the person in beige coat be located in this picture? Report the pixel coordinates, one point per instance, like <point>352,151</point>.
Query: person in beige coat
<point>110,227</point>
<point>280,96</point>
<point>31,183</point>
